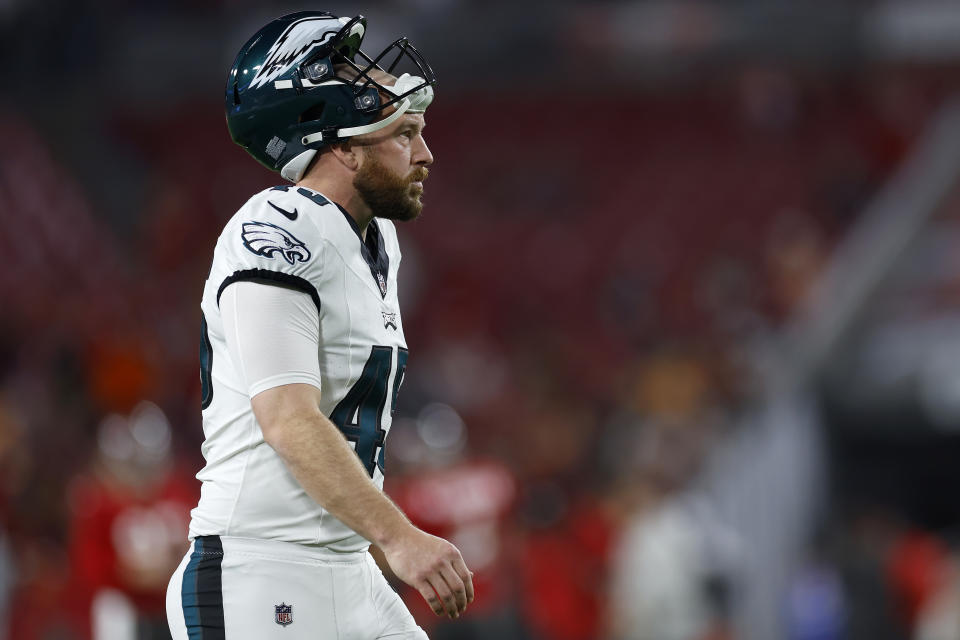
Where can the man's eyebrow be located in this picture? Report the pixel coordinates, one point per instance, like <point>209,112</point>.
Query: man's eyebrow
<point>411,118</point>
<point>413,124</point>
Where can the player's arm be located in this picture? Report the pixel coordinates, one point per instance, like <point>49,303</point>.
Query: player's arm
<point>273,337</point>
<point>328,469</point>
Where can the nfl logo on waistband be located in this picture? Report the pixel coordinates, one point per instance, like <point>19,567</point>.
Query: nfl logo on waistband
<point>283,614</point>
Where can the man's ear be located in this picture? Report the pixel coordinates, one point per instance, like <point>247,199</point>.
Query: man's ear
<point>347,153</point>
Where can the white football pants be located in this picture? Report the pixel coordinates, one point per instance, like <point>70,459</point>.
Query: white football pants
<point>246,589</point>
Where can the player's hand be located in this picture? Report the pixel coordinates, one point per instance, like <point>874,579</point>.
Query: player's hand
<point>435,568</point>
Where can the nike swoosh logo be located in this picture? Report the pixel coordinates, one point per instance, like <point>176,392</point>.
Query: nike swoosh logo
<point>290,215</point>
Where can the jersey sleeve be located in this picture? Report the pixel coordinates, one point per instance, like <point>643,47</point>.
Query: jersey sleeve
<point>272,334</point>
<point>271,240</point>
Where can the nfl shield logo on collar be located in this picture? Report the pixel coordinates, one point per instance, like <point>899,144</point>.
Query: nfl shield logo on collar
<point>382,282</point>
<point>283,614</point>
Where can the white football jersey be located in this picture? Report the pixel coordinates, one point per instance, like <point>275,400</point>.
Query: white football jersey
<point>295,237</point>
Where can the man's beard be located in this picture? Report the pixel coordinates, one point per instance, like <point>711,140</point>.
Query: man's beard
<point>387,194</point>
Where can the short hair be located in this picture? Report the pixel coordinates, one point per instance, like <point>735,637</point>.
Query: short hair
<point>347,71</point>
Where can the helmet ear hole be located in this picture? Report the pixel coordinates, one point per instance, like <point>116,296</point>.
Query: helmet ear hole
<point>315,112</point>
<point>236,95</point>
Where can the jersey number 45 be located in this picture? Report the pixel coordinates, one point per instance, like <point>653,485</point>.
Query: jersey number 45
<point>359,415</point>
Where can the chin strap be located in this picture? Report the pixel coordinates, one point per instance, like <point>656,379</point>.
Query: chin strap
<point>416,102</point>
<point>295,169</point>
<point>349,132</point>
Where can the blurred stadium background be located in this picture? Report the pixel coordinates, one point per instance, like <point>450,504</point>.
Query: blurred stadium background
<point>683,309</point>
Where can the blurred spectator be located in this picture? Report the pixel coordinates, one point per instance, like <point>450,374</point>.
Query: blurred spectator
<point>671,567</point>
<point>565,551</point>
<point>863,545</point>
<point>795,253</point>
<point>939,619</point>
<point>464,498</point>
<point>671,575</point>
<point>816,603</point>
<point>917,567</point>
<point>7,577</point>
<point>130,512</point>
<point>666,585</point>
<point>12,474</point>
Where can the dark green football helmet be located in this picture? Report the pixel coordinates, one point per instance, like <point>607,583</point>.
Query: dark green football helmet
<point>284,101</point>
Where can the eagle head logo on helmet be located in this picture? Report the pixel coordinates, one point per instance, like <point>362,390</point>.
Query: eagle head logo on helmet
<point>298,39</point>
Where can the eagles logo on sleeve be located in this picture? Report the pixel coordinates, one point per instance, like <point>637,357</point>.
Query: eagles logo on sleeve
<point>265,239</point>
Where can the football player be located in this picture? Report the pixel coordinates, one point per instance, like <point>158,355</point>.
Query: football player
<point>302,352</point>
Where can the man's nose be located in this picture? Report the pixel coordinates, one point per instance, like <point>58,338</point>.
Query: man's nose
<point>421,155</point>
